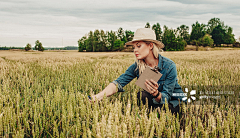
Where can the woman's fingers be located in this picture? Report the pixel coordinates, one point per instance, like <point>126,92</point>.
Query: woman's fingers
<point>152,86</point>
<point>151,90</point>
<point>154,82</point>
<point>148,86</point>
<point>149,83</point>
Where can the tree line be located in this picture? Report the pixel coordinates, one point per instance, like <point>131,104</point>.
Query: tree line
<point>8,48</point>
<point>62,48</point>
<point>214,33</point>
<point>29,47</point>
<point>100,41</point>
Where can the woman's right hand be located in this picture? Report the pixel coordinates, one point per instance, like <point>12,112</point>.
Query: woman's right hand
<point>92,98</point>
<point>108,91</point>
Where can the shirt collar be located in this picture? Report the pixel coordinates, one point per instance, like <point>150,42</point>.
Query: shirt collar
<point>160,62</point>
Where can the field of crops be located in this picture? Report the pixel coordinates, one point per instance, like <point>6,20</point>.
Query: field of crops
<point>44,94</point>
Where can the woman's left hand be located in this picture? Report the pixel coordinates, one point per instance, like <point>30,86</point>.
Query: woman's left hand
<point>152,86</point>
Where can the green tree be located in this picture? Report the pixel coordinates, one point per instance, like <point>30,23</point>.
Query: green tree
<point>81,44</point>
<point>118,45</point>
<point>169,39</point>
<point>147,25</point>
<point>229,37</point>
<point>218,34</point>
<point>181,45</point>
<point>38,46</point>
<point>195,42</point>
<point>183,32</point>
<point>157,29</point>
<point>212,23</point>
<point>89,42</point>
<point>96,41</point>
<point>41,48</point>
<point>198,31</point>
<point>129,35</point>
<point>103,41</point>
<point>120,34</point>
<point>207,40</point>
<point>28,47</point>
<point>111,39</point>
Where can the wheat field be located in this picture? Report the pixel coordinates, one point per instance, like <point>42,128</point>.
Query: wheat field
<point>44,94</point>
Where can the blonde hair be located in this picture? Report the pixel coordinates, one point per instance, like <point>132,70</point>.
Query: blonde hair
<point>141,65</point>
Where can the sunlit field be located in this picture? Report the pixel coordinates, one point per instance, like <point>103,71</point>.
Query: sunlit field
<point>44,94</point>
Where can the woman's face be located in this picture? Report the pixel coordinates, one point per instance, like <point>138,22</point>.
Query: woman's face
<point>141,49</point>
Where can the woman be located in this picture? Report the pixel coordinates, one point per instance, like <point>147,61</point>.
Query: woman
<point>146,49</point>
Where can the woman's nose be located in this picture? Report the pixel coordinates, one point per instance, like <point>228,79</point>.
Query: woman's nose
<point>135,50</point>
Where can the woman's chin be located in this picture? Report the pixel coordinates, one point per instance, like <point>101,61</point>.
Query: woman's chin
<point>138,57</point>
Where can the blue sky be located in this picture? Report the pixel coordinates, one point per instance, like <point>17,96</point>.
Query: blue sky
<point>56,23</point>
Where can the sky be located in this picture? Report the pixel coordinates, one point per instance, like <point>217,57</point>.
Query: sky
<point>59,23</point>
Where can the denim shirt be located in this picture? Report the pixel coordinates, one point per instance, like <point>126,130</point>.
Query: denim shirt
<point>168,83</point>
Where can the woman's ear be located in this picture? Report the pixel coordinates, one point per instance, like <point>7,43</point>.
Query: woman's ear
<point>151,46</point>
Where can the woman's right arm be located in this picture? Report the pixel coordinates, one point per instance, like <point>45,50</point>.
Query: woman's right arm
<point>108,91</point>
<point>119,83</point>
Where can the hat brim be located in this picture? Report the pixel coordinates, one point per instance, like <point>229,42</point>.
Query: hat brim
<point>157,43</point>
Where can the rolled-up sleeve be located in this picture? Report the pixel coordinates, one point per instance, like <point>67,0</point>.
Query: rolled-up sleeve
<point>126,77</point>
<point>169,85</point>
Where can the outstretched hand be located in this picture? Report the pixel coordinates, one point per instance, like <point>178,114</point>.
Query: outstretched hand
<point>92,98</point>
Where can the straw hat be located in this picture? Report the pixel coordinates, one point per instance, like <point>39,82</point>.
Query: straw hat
<point>145,34</point>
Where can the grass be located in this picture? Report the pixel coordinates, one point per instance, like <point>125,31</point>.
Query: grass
<point>45,95</point>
